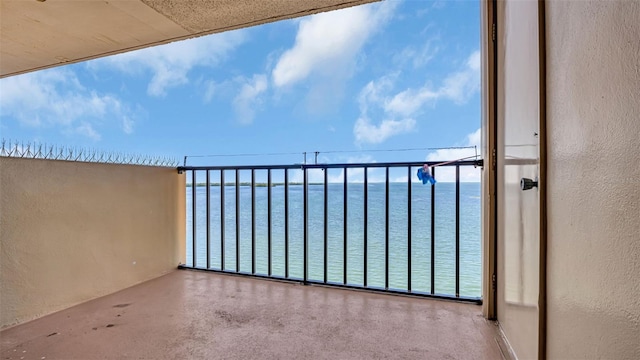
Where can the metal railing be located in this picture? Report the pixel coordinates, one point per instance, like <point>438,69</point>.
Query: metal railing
<point>357,228</point>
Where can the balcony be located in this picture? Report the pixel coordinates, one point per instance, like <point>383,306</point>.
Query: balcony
<point>200,315</point>
<point>70,248</point>
<point>64,242</point>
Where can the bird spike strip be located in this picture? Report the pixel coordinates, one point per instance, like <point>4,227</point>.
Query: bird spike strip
<point>54,152</point>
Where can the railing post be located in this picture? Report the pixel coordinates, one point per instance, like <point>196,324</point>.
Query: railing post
<point>345,226</point>
<point>237,220</point>
<point>269,221</point>
<point>366,225</point>
<point>208,213</point>
<point>286,223</point>
<point>386,229</point>
<point>305,214</point>
<point>222,220</point>
<point>253,221</point>
<point>457,230</point>
<point>326,222</point>
<point>193,216</point>
<point>433,233</point>
<point>409,219</point>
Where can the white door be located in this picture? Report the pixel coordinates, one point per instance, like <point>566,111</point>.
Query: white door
<point>518,157</point>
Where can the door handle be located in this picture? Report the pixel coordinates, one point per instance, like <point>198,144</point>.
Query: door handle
<point>526,184</point>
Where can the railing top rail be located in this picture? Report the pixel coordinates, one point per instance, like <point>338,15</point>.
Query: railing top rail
<point>478,162</point>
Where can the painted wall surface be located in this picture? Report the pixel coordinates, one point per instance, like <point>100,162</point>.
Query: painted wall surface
<point>71,231</point>
<point>593,112</point>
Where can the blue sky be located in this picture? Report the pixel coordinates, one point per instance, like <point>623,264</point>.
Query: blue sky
<point>390,75</point>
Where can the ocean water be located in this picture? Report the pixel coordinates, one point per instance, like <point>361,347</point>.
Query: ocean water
<point>470,248</point>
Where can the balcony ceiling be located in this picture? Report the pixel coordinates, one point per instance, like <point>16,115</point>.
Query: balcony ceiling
<point>38,34</point>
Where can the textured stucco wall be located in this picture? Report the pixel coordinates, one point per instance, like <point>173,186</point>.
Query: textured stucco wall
<point>593,109</point>
<point>71,231</point>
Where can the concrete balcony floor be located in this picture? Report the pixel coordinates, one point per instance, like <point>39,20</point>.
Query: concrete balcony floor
<point>199,315</point>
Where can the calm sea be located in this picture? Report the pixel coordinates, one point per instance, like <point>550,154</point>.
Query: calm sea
<point>470,252</point>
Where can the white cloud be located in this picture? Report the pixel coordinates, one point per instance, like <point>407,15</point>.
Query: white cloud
<point>475,138</point>
<point>56,98</point>
<point>457,87</point>
<point>127,124</point>
<point>460,85</point>
<point>373,92</point>
<point>354,175</point>
<point>249,97</point>
<point>330,41</point>
<point>366,132</point>
<point>398,110</point>
<point>87,130</point>
<point>438,4</point>
<point>170,63</point>
<point>419,55</point>
<point>210,90</point>
<point>467,173</point>
<point>371,96</point>
<point>409,101</point>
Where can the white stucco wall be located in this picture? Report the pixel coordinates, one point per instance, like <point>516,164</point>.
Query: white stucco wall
<point>593,119</point>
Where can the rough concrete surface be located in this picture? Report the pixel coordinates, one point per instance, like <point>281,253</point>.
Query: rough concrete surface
<point>199,315</point>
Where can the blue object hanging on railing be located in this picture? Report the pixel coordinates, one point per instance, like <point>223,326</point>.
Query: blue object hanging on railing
<point>425,176</point>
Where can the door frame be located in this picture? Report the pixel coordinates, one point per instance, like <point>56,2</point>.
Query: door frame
<point>542,184</point>
<point>488,11</point>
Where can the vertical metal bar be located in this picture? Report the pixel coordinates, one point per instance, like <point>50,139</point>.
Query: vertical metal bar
<point>409,219</point>
<point>386,228</point>
<point>269,221</point>
<point>345,230</point>
<point>208,221</point>
<point>222,220</point>
<point>286,223</point>
<point>253,221</point>
<point>433,233</point>
<point>237,220</point>
<point>457,230</point>
<point>193,216</point>
<point>326,222</point>
<point>366,225</point>
<point>305,201</point>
